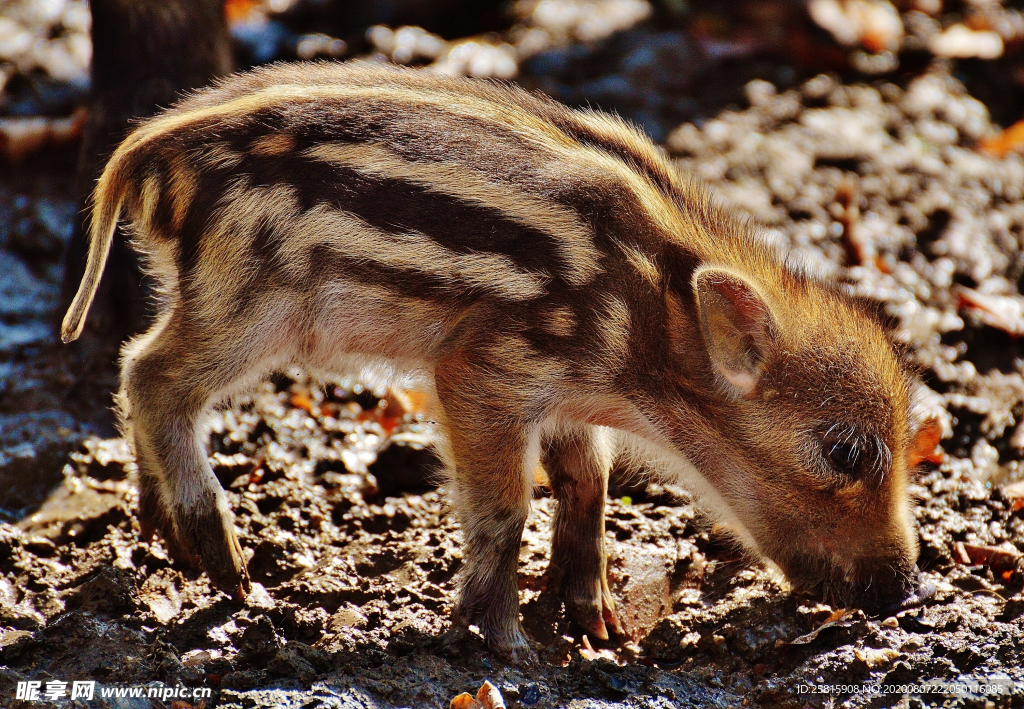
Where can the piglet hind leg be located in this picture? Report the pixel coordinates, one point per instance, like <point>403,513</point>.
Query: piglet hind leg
<point>577,460</point>
<point>490,447</point>
<point>167,384</point>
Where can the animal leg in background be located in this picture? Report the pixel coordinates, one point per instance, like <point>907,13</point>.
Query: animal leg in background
<point>578,460</point>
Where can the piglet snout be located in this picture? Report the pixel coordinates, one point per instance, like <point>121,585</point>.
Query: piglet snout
<point>883,590</point>
<point>919,593</point>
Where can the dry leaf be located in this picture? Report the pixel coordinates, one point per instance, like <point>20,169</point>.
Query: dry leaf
<point>836,615</point>
<point>960,554</point>
<point>1008,141</point>
<point>489,697</point>
<point>238,10</point>
<point>1014,494</point>
<point>1014,491</point>
<point>464,701</point>
<point>859,250</point>
<point>1002,312</point>
<point>399,403</point>
<point>926,445</point>
<point>304,402</point>
<point>996,558</point>
<point>840,618</point>
<point>873,24</point>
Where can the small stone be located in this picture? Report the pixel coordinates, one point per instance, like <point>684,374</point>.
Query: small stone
<point>347,618</point>
<point>259,598</point>
<point>875,657</point>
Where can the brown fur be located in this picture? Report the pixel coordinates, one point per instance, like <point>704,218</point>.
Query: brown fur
<point>550,275</point>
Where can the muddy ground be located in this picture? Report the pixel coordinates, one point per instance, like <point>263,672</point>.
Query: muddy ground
<point>354,552</point>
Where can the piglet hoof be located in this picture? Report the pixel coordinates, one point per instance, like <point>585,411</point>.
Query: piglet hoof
<point>156,521</point>
<point>589,617</point>
<point>505,639</point>
<point>595,615</point>
<point>210,530</point>
<point>611,619</point>
<point>513,647</point>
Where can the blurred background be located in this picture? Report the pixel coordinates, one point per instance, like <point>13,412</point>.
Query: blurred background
<point>657,62</point>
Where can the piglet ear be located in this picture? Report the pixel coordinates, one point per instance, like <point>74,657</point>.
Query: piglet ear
<point>737,325</point>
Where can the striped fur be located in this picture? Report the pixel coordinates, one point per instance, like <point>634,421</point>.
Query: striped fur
<point>552,278</point>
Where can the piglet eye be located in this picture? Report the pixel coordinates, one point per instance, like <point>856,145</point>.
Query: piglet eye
<point>844,450</point>
<point>854,455</point>
<point>844,456</point>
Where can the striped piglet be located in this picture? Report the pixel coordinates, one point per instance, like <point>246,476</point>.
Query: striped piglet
<point>563,292</point>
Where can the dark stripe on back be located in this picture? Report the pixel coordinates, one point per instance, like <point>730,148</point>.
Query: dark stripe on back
<point>211,185</point>
<point>397,206</point>
<point>326,264</point>
<point>422,133</point>
<point>163,211</point>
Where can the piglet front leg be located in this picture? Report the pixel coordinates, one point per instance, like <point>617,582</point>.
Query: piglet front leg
<point>493,444</point>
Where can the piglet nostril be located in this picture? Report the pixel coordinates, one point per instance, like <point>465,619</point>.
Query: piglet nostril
<point>915,591</point>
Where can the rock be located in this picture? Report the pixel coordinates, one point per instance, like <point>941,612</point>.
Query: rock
<point>312,46</point>
<point>961,42</point>
<point>111,591</point>
<point>10,638</point>
<point>23,295</point>
<point>642,580</point>
<point>408,463</point>
<point>42,232</point>
<point>160,593</point>
<point>33,446</point>
<point>347,618</point>
<point>874,24</point>
<point>259,642</point>
<point>584,20</point>
<point>271,563</point>
<point>296,660</point>
<point>875,658</point>
<point>479,58</point>
<point>81,509</point>
<point>258,598</point>
<point>407,44</point>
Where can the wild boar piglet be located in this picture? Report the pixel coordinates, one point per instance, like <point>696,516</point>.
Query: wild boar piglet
<point>566,295</point>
